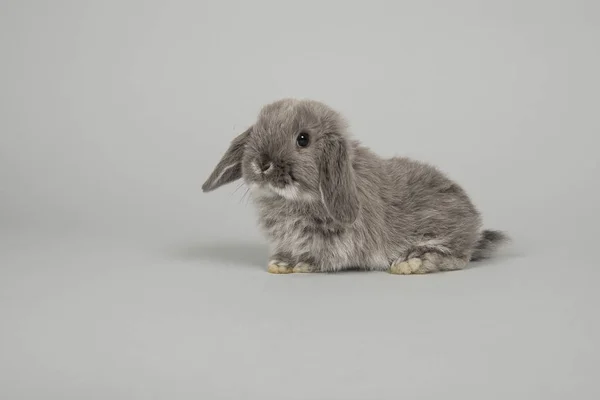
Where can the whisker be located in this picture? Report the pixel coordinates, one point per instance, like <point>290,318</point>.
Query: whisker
<point>248,197</point>
<point>244,196</point>
<point>238,188</point>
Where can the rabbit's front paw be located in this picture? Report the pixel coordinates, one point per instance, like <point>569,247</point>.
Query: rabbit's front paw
<point>304,268</point>
<point>279,267</point>
<point>412,266</point>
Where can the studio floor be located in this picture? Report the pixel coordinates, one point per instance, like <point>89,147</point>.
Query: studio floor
<point>104,318</point>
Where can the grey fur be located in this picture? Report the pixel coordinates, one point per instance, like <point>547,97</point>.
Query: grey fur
<point>336,205</point>
<point>488,243</point>
<point>229,168</point>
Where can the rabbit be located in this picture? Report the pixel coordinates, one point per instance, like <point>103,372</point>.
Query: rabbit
<point>329,204</point>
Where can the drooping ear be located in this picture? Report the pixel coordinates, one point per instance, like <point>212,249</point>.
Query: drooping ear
<point>336,181</point>
<point>229,168</point>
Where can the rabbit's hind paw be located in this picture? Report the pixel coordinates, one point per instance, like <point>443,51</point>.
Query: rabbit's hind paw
<point>412,266</point>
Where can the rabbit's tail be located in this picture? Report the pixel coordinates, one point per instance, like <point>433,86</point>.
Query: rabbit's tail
<point>488,243</point>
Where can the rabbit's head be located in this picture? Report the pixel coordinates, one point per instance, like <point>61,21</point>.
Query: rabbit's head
<point>297,149</point>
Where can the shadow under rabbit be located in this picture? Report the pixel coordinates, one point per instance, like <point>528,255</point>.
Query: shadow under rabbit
<point>256,255</point>
<point>252,254</point>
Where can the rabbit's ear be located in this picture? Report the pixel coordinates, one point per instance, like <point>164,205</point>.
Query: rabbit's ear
<point>336,181</point>
<point>229,168</point>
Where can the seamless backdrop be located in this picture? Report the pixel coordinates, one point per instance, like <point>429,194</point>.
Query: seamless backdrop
<point>120,279</point>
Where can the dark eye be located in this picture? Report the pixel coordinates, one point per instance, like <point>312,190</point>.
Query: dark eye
<point>302,139</point>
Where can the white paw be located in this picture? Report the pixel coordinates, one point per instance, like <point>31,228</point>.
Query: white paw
<point>279,267</point>
<point>303,268</point>
<point>409,267</point>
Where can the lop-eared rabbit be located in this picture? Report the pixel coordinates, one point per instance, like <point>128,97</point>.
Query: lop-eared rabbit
<point>328,204</point>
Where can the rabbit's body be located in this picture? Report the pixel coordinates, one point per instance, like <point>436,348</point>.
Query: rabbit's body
<point>413,209</point>
<point>343,206</point>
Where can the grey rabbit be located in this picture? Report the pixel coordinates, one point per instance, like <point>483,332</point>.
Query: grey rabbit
<point>329,204</point>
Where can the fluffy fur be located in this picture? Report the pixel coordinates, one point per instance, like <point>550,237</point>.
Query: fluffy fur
<point>335,205</point>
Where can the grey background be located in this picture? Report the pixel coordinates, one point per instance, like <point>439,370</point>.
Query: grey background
<point>119,279</point>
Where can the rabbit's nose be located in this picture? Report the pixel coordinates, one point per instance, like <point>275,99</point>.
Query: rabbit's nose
<point>264,165</point>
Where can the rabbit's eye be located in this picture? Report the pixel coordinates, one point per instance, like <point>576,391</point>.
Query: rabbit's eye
<point>302,139</point>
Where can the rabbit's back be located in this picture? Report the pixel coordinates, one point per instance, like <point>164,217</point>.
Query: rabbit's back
<point>425,206</point>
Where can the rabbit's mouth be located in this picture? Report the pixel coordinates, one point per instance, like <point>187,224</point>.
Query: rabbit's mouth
<point>282,183</point>
<point>273,177</point>
<point>286,186</point>
<point>276,177</point>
